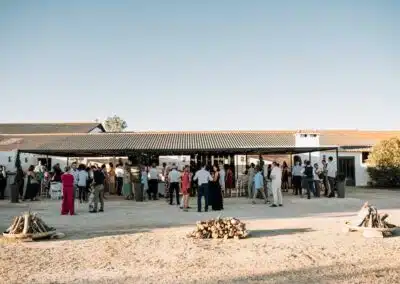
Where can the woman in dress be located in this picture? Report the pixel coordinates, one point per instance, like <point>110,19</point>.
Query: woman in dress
<point>57,172</point>
<point>185,187</point>
<point>229,183</point>
<point>111,177</point>
<point>144,183</point>
<point>19,181</point>
<point>285,177</point>
<point>67,205</point>
<point>32,186</point>
<point>215,191</point>
<point>127,187</point>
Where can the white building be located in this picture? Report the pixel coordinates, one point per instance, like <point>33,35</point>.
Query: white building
<point>236,148</point>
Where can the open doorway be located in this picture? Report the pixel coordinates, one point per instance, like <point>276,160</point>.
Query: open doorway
<point>347,167</point>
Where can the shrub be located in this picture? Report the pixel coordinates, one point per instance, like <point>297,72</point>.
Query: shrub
<point>384,177</point>
<point>384,163</point>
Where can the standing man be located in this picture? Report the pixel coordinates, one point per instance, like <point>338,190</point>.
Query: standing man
<point>153,182</point>
<point>82,181</point>
<point>98,187</point>
<point>174,177</point>
<point>309,177</point>
<point>297,173</point>
<point>250,184</point>
<point>325,177</point>
<point>332,169</point>
<point>276,177</point>
<point>119,173</point>
<point>203,177</point>
<point>258,185</point>
<point>317,179</point>
<point>74,172</point>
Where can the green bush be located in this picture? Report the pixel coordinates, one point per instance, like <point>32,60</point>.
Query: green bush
<point>384,176</point>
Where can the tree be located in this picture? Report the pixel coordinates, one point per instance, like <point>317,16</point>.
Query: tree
<point>384,163</point>
<point>115,124</point>
<point>385,154</point>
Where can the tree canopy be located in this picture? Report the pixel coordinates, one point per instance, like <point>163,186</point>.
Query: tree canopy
<point>386,154</point>
<point>115,124</point>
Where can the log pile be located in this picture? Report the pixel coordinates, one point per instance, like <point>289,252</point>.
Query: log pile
<point>220,228</point>
<point>372,219</point>
<point>371,223</point>
<point>30,226</point>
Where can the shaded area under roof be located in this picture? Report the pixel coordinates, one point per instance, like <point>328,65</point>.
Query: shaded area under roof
<point>48,128</point>
<point>162,143</point>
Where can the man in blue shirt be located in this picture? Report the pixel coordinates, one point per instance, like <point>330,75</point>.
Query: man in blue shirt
<point>259,185</point>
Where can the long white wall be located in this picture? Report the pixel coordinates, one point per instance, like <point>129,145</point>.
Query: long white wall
<point>8,160</point>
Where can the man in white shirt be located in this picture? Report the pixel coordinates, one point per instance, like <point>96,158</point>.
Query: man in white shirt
<point>251,173</point>
<point>332,169</point>
<point>153,182</point>
<point>317,180</point>
<point>203,177</point>
<point>297,173</point>
<point>174,178</point>
<point>83,177</point>
<point>119,173</point>
<point>74,172</point>
<point>276,177</point>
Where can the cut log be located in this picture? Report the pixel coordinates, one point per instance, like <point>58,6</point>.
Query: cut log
<point>27,218</point>
<point>14,223</point>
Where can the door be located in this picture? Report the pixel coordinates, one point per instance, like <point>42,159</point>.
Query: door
<point>347,167</point>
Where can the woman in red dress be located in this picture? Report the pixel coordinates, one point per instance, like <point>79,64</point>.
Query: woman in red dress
<point>185,187</point>
<point>67,205</point>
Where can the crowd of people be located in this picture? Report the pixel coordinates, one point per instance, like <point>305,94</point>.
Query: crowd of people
<point>302,177</point>
<point>212,183</point>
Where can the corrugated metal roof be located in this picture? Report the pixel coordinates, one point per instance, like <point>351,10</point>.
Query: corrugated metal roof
<point>181,141</point>
<point>143,141</point>
<point>37,128</point>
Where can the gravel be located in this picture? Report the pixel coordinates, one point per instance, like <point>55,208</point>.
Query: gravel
<point>147,243</point>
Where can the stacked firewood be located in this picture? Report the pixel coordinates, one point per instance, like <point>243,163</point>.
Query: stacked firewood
<point>27,225</point>
<point>370,218</point>
<point>220,228</point>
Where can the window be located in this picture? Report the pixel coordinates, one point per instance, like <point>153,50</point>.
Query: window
<point>364,157</point>
<point>26,160</point>
<point>9,159</point>
<point>303,135</point>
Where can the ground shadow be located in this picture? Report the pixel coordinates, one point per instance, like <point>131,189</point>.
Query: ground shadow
<point>278,232</point>
<point>337,273</point>
<point>342,273</point>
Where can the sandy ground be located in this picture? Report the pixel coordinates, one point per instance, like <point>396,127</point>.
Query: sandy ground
<point>146,243</point>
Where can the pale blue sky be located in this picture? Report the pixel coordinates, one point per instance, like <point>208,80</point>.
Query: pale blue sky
<point>202,64</point>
